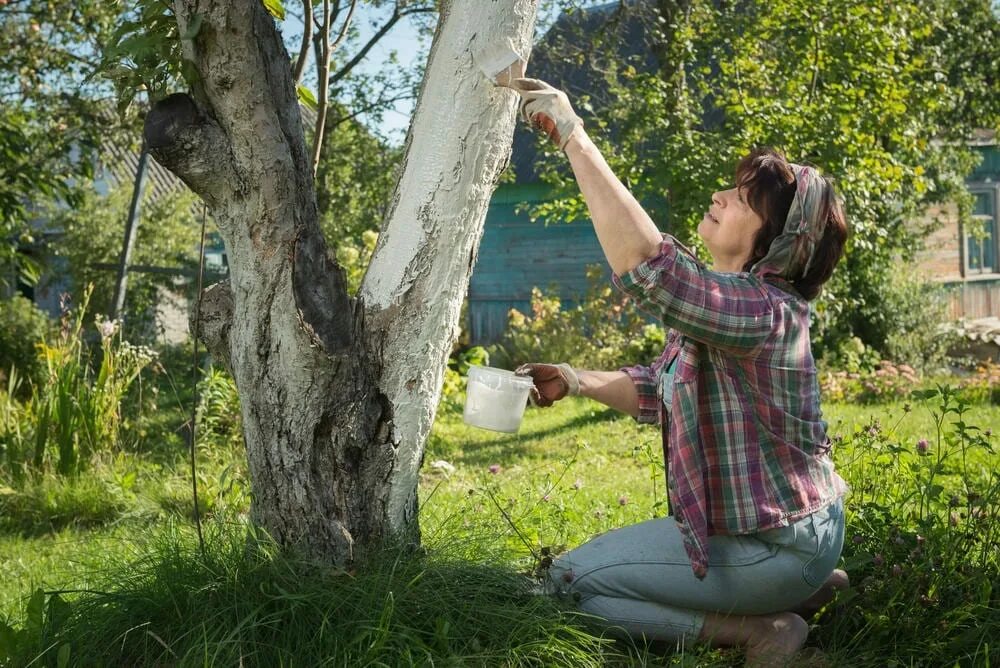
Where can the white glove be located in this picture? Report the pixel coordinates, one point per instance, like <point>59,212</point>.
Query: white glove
<point>548,108</point>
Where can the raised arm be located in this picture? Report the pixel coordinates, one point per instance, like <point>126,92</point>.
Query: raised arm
<point>626,232</point>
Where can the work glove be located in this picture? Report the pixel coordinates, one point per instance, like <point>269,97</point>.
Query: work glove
<point>547,108</point>
<point>552,382</point>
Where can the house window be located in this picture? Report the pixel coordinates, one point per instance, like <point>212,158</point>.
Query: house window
<point>981,237</point>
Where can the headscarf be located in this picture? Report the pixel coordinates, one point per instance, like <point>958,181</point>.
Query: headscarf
<point>791,252</point>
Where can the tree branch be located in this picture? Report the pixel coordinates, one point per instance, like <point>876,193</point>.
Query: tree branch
<point>191,145</point>
<point>397,14</point>
<point>307,22</point>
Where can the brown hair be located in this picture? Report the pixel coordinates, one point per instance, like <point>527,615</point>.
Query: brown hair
<point>767,179</point>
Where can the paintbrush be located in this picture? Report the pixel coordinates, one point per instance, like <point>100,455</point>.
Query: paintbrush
<point>500,63</point>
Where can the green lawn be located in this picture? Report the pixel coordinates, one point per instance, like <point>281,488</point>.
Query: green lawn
<point>576,470</point>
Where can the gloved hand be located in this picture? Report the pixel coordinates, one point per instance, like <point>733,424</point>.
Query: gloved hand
<point>548,108</point>
<point>552,382</point>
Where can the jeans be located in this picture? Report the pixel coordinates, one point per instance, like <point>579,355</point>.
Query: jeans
<point>638,579</point>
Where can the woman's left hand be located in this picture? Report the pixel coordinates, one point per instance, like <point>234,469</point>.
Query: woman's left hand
<point>547,108</point>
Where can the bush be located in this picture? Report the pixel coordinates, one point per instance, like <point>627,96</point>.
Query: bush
<point>22,326</point>
<point>886,382</point>
<point>605,331</point>
<point>905,324</point>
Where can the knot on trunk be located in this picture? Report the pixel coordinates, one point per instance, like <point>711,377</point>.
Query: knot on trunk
<point>216,318</point>
<point>190,144</point>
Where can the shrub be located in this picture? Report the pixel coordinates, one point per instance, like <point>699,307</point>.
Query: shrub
<point>886,382</point>
<point>22,326</point>
<point>605,331</point>
<point>75,409</point>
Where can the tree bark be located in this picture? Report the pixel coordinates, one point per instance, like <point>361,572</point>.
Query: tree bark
<point>336,406</point>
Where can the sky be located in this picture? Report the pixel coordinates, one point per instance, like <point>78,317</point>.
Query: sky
<point>405,39</point>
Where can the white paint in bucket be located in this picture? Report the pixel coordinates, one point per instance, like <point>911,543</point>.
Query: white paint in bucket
<point>495,398</point>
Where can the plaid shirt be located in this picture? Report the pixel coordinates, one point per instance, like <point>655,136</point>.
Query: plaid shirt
<point>745,446</point>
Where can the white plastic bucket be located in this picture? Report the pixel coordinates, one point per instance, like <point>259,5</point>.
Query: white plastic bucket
<point>495,398</point>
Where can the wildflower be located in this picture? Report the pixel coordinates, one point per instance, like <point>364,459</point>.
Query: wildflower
<point>907,407</point>
<point>878,560</point>
<point>568,576</point>
<point>922,446</point>
<point>987,433</point>
<point>598,513</point>
<point>107,328</point>
<point>897,570</point>
<point>953,519</point>
<point>857,539</point>
<point>622,500</point>
<point>545,498</point>
<point>578,484</point>
<point>954,501</point>
<point>921,540</point>
<point>494,468</point>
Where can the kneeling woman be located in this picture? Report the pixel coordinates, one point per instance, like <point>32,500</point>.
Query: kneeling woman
<point>757,520</point>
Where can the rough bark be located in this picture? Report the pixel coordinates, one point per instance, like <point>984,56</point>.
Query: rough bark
<point>333,470</point>
<point>458,144</point>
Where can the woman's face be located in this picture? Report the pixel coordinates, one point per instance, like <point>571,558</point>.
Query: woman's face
<point>728,230</point>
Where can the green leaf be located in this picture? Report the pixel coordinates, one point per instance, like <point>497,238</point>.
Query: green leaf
<point>276,9</point>
<point>306,97</point>
<point>35,613</point>
<point>62,659</point>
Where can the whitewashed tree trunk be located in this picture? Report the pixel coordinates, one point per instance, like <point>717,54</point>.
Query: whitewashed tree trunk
<point>337,394</point>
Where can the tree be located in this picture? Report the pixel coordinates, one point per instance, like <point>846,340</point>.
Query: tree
<point>337,393</point>
<point>881,97</point>
<point>50,113</point>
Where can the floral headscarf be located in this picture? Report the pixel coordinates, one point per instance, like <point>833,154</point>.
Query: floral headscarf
<point>791,253</point>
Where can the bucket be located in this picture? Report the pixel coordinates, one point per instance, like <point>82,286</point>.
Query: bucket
<point>495,398</point>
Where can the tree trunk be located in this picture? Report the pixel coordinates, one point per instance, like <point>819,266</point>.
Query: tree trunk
<point>336,406</point>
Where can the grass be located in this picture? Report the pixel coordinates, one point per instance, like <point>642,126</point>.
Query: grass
<point>487,514</point>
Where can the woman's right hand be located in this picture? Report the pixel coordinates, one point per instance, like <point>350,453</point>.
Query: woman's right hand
<point>552,382</point>
<point>548,109</point>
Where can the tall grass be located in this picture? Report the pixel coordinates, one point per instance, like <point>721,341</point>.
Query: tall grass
<point>245,603</point>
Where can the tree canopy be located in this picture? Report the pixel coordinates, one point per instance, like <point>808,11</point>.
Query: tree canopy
<point>883,98</point>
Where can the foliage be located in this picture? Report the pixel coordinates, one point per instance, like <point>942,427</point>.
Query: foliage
<point>595,334</point>
<point>922,518</point>
<point>75,412</point>
<point>219,420</point>
<point>982,385</point>
<point>354,257</point>
<point>90,234</point>
<point>50,115</point>
<point>457,372</point>
<point>22,325</point>
<point>883,98</point>
<point>885,382</point>
<point>907,322</point>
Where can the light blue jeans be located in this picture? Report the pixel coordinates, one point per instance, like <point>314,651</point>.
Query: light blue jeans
<point>638,579</point>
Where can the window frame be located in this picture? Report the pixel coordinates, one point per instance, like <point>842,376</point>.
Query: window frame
<point>990,188</point>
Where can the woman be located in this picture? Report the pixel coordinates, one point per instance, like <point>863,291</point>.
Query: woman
<point>757,519</point>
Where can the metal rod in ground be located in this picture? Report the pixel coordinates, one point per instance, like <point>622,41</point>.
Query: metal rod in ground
<point>194,382</point>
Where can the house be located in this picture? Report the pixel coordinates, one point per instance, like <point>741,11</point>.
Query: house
<point>516,255</point>
<point>966,258</point>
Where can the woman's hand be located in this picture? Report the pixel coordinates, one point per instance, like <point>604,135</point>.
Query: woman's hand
<point>547,108</point>
<point>552,382</point>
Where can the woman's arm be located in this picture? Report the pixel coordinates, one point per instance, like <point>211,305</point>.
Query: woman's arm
<point>611,388</point>
<point>626,232</point>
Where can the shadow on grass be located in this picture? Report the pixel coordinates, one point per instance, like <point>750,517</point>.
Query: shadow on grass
<point>480,451</point>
